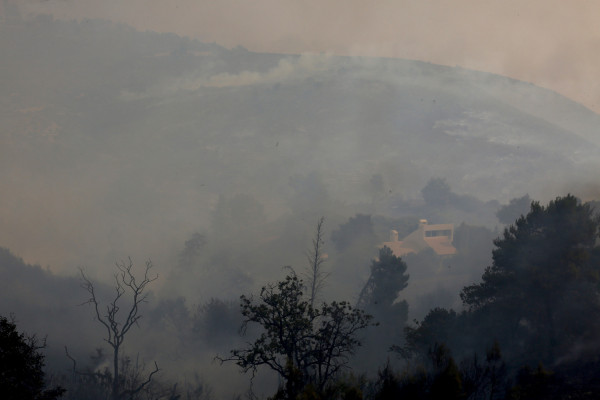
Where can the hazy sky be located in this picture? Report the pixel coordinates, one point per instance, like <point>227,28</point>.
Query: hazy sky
<point>554,44</point>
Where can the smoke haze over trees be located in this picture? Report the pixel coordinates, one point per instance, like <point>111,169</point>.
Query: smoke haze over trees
<point>218,163</point>
<point>150,130</point>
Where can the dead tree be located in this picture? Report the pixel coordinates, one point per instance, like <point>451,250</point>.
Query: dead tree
<point>315,276</point>
<point>117,324</point>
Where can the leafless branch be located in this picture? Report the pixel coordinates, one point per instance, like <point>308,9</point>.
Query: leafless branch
<point>316,257</point>
<point>141,386</point>
<point>126,285</point>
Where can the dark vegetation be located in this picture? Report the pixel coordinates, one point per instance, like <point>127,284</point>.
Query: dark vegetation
<point>538,302</point>
<point>22,366</point>
<point>528,329</point>
<point>308,347</point>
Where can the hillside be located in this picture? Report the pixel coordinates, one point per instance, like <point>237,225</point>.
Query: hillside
<point>116,141</point>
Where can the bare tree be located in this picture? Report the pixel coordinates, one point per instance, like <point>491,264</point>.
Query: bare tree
<point>117,324</point>
<point>315,275</point>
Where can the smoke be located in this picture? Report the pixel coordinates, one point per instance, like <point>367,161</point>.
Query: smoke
<point>285,70</point>
<point>288,69</point>
<point>551,44</point>
<point>216,163</point>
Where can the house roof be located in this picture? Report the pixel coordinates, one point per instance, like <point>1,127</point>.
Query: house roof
<point>398,248</point>
<point>437,237</point>
<point>441,245</point>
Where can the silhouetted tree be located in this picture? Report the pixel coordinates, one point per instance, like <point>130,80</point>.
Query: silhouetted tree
<point>437,192</point>
<point>447,381</point>
<point>217,321</point>
<point>437,378</point>
<point>542,266</point>
<point>513,210</point>
<point>487,380</point>
<point>380,292</point>
<point>118,324</point>
<point>388,385</point>
<point>316,257</point>
<point>533,385</point>
<point>379,297</point>
<point>22,366</point>
<point>437,327</point>
<point>191,250</point>
<point>306,346</point>
<point>387,279</point>
<point>358,228</point>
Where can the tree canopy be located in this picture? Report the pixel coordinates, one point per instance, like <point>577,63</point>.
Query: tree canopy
<point>388,277</point>
<point>379,297</point>
<point>22,366</point>
<point>509,213</point>
<point>306,346</point>
<point>544,267</point>
<point>540,255</point>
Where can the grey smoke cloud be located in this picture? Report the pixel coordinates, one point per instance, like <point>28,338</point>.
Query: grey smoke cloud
<point>287,69</point>
<point>550,43</point>
<point>126,188</point>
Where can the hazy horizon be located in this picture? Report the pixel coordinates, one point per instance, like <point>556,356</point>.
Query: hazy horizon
<point>549,43</point>
<point>102,160</point>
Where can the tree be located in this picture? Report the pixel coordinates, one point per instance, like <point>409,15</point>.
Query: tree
<point>315,275</point>
<point>447,381</point>
<point>513,210</point>
<point>437,192</point>
<point>353,242</point>
<point>216,322</point>
<point>379,297</point>
<point>358,229</point>
<point>438,378</point>
<point>191,251</point>
<point>486,380</point>
<point>535,385</point>
<point>387,279</point>
<point>306,346</point>
<point>117,324</point>
<point>22,366</point>
<point>543,265</point>
<point>437,327</point>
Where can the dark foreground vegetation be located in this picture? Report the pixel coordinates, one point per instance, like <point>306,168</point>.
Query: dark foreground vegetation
<point>528,330</point>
